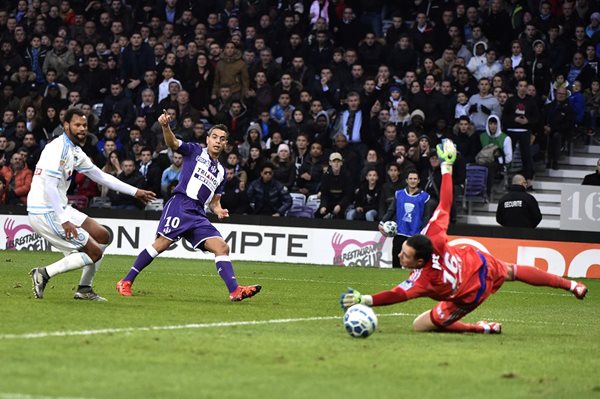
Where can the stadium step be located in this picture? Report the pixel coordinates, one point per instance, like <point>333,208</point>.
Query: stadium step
<point>579,161</point>
<point>565,173</point>
<point>548,221</point>
<point>552,209</point>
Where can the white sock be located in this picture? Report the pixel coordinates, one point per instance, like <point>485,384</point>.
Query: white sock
<point>72,261</point>
<point>573,285</point>
<point>89,271</point>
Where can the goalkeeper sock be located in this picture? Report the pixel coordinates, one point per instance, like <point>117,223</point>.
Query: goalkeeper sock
<point>225,270</point>
<point>144,259</point>
<point>534,276</point>
<point>70,262</point>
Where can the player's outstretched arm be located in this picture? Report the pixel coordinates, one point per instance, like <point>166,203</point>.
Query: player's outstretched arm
<point>117,185</point>
<point>170,139</point>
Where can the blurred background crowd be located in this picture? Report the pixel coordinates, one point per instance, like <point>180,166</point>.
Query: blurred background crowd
<point>336,100</point>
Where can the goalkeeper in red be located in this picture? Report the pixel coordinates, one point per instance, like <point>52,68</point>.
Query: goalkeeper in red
<point>459,277</point>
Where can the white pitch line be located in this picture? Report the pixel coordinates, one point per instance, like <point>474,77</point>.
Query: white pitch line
<point>174,327</point>
<point>8,395</point>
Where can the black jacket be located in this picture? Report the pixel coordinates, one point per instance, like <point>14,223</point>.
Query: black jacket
<point>517,208</point>
<point>592,179</point>
<point>269,198</point>
<point>136,180</point>
<point>336,190</point>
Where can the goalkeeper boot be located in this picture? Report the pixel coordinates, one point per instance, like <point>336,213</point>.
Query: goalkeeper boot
<point>88,294</point>
<point>242,292</point>
<point>580,291</point>
<point>490,327</point>
<point>124,287</point>
<point>39,282</point>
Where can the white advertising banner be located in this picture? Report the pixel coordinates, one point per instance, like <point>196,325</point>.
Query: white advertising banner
<point>303,245</point>
<point>247,242</point>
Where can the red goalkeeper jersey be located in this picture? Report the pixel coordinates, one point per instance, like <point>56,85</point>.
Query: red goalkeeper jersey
<point>454,273</point>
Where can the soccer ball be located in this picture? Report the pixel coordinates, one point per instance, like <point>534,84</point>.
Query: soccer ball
<point>360,321</point>
<point>390,228</point>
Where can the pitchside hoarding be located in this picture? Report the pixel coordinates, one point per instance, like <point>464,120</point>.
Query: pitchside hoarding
<point>580,207</point>
<point>316,245</point>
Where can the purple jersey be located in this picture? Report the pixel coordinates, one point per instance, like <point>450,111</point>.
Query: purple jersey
<point>201,177</point>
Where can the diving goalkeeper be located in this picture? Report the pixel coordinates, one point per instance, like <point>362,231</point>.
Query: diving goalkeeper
<point>459,277</point>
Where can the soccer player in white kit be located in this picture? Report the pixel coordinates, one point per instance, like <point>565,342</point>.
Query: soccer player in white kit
<point>79,237</point>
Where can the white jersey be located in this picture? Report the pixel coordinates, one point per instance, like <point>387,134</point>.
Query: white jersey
<point>58,159</point>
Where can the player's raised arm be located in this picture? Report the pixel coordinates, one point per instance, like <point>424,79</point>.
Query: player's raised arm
<point>439,221</point>
<point>170,139</point>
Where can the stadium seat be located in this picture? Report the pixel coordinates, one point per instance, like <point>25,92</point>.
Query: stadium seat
<point>100,202</point>
<point>78,201</point>
<point>313,202</point>
<point>475,186</point>
<point>156,205</point>
<point>298,201</point>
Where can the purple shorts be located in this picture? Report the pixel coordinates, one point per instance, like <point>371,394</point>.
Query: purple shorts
<point>182,217</point>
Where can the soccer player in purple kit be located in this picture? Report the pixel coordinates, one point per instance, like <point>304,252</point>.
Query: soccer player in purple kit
<point>201,183</point>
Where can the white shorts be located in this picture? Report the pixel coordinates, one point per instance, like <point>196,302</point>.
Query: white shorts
<point>48,226</point>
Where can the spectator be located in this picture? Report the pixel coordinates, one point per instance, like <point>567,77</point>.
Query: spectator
<point>112,166</point>
<point>354,125</point>
<point>284,168</point>
<point>517,208</point>
<point>232,72</point>
<point>3,190</point>
<point>150,171</point>
<point>267,196</point>
<point>559,125</point>
<point>59,58</point>
<point>410,209</point>
<point>593,179</point>
<point>336,189</point>
<point>520,116</point>
<point>85,186</point>
<point>18,179</point>
<point>171,175</point>
<point>117,102</point>
<point>132,177</point>
<point>234,197</point>
<point>311,171</point>
<point>482,105</point>
<point>366,199</point>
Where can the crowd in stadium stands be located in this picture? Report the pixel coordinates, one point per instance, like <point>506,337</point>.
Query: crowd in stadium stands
<point>335,98</point>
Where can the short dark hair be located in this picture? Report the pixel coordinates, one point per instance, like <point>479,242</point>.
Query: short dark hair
<point>422,245</point>
<point>267,165</point>
<point>219,126</point>
<point>72,112</point>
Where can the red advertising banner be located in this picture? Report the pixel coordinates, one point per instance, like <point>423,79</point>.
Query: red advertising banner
<point>562,258</point>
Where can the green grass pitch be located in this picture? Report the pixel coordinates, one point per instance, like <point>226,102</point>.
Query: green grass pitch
<point>179,337</point>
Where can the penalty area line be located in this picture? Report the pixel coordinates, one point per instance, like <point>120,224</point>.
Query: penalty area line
<point>192,326</point>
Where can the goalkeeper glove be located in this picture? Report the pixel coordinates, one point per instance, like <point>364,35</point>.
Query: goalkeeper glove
<point>446,150</point>
<point>352,297</point>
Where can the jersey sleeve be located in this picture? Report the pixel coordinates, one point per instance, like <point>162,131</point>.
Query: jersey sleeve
<point>437,227</point>
<point>83,163</point>
<point>187,148</point>
<point>414,286</point>
<point>54,163</point>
